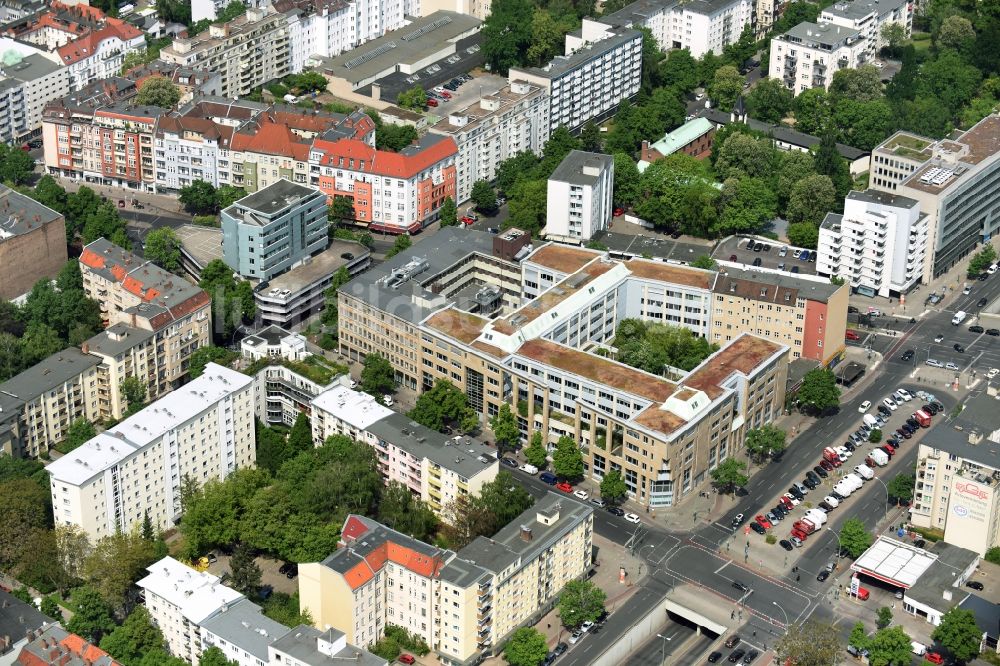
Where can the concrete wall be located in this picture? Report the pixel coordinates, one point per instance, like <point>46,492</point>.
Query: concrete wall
<point>29,257</point>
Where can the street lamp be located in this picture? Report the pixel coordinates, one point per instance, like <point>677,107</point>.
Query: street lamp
<point>778,606</point>
<point>663,648</point>
<point>886,491</point>
<point>840,545</point>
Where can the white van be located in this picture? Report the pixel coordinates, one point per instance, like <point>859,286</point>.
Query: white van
<point>919,649</point>
<point>958,318</point>
<point>529,468</point>
<point>871,421</point>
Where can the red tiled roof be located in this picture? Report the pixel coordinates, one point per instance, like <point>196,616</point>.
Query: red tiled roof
<point>89,44</point>
<point>383,162</point>
<point>353,528</point>
<point>272,138</point>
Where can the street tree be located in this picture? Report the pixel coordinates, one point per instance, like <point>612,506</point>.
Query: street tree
<point>803,234</point>
<point>812,643</point>
<point>959,634</point>
<point>245,572</point>
<point>982,260</point>
<point>890,647</point>
<point>854,537</point>
<point>893,34</point>
<point>535,453</point>
<point>483,197</point>
<point>443,405</point>
<point>765,441</point>
<point>613,488</point>
<point>725,87</point>
<point>402,242</point>
<point>158,91</point>
<point>810,199</point>
<point>901,486</point>
<point>504,427</point>
<point>377,376</point>
<point>728,475</point>
<point>16,165</point>
<point>449,214</point>
<point>883,617</point>
<point>567,462</point>
<point>993,555</point>
<point>859,637</point>
<point>581,601</point>
<point>340,210</point>
<point>819,391</point>
<point>199,198</point>
<point>163,248</point>
<point>526,647</point>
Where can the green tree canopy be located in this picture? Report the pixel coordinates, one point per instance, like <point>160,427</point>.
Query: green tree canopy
<point>213,656</point>
<point>158,91</point>
<point>402,242</point>
<point>300,437</point>
<point>743,155</point>
<point>505,428</point>
<point>209,354</point>
<point>804,234</point>
<point>443,405</point>
<point>728,475</point>
<point>725,87</point>
<point>765,441</point>
<point>377,376</point>
<point>536,453</point>
<point>200,198</point>
<point>526,647</point>
<point>862,84</point>
<point>163,248</point>
<point>819,391</point>
<point>134,639</point>
<point>79,431</point>
<point>581,601</point>
<point>902,486</point>
<point>245,572</point>
<point>959,634</point>
<point>484,198</point>
<point>92,617</point>
<point>567,462</point>
<point>507,34</point>
<point>769,101</point>
<point>415,98</point>
<point>613,488</point>
<point>449,217</point>
<point>812,643</point>
<point>811,199</point>
<point>854,537</point>
<point>890,647</point>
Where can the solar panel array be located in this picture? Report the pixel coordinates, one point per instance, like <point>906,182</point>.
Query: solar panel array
<point>936,176</point>
<point>427,28</point>
<point>374,53</point>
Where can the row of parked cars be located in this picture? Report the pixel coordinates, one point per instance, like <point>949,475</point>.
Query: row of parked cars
<point>737,656</point>
<point>440,94</point>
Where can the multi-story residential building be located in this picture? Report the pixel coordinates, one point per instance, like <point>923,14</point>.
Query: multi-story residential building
<point>953,180</point>
<point>579,196</point>
<point>275,342</point>
<point>245,51</point>
<point>528,355</point>
<point>308,646</point>
<point>958,477</point>
<point>26,85</point>
<point>495,128</point>
<point>38,405</point>
<point>32,243</point>
<point>492,586</point>
<point>879,243</point>
<point>807,314</point>
<point>273,229</point>
<point>123,352</point>
<point>700,26</point>
<point>243,633</point>
<point>808,55</point>
<point>392,192</point>
<point>142,295</point>
<point>105,144</point>
<point>190,81</point>
<point>179,599</point>
<point>435,467</point>
<point>868,17</point>
<point>200,432</point>
<point>602,67</point>
<point>89,44</point>
<point>283,389</point>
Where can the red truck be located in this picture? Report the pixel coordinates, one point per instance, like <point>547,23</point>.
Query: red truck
<point>831,456</point>
<point>804,525</point>
<point>923,418</point>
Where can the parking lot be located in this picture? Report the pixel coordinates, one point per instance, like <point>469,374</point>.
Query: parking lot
<point>467,57</point>
<point>771,255</point>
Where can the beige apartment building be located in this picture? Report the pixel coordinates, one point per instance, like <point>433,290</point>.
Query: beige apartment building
<point>462,604</point>
<point>202,431</point>
<point>958,476</point>
<point>123,352</point>
<point>664,436</point>
<point>140,294</point>
<point>245,51</point>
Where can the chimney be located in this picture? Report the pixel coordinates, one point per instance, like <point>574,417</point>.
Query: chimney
<point>85,348</point>
<point>525,533</point>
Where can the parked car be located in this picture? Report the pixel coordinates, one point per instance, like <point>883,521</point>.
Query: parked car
<point>615,511</point>
<point>565,487</point>
<point>784,543</point>
<point>714,657</point>
<point>737,655</point>
<point>632,518</point>
<point>406,659</point>
<point>907,355</point>
<point>756,527</point>
<point>975,585</point>
<point>733,641</point>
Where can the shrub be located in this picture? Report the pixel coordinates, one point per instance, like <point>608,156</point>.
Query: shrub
<point>771,539</point>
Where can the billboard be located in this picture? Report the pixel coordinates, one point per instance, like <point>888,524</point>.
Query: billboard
<point>972,513</point>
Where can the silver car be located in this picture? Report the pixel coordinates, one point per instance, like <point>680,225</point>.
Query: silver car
<point>934,363</point>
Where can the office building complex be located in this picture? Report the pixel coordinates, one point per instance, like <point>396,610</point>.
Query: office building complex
<point>32,243</point>
<point>579,196</point>
<point>528,354</point>
<point>463,605</point>
<point>494,129</point>
<point>958,477</point>
<point>878,245</point>
<point>273,229</point>
<point>808,55</point>
<point>602,67</point>
<point>246,51</point>
<point>200,432</point>
<point>140,294</point>
<point>436,468</point>
<point>868,17</point>
<point>953,180</point>
<point>700,26</point>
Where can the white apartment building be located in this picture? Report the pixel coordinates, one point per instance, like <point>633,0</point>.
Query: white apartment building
<point>249,49</point>
<point>878,245</point>
<point>281,393</point>
<point>25,87</point>
<point>489,588</point>
<point>602,67</point>
<point>954,179</point>
<point>958,476</point>
<point>495,128</point>
<point>808,55</point>
<point>100,54</point>
<point>579,196</point>
<point>435,467</point>
<point>179,599</point>
<point>701,26</point>
<point>203,431</point>
<point>868,17</point>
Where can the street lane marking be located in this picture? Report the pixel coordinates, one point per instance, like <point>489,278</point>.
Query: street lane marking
<point>728,562</point>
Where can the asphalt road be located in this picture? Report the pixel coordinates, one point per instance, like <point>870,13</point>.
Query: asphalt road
<point>660,649</point>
